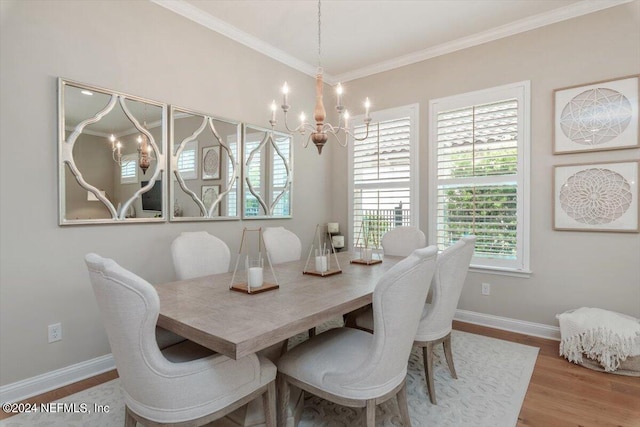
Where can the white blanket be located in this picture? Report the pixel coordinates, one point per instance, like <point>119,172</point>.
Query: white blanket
<point>601,335</point>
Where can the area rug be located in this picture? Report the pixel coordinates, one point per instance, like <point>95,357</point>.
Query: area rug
<point>493,376</point>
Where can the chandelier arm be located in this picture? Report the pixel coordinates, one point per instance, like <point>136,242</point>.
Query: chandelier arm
<point>306,143</point>
<point>366,135</point>
<point>340,143</point>
<point>300,128</point>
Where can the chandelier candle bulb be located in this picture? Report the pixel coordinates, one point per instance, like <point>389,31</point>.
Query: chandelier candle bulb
<point>339,95</point>
<point>285,95</point>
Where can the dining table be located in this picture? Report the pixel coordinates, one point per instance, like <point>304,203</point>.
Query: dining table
<point>205,310</point>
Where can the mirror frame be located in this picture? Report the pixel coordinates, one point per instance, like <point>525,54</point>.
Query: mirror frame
<point>65,156</point>
<point>246,159</point>
<point>207,122</point>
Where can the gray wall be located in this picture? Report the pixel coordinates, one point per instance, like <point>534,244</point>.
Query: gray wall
<point>139,48</point>
<point>570,269</point>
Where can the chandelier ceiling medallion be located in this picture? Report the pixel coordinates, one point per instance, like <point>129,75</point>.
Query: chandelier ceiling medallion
<point>319,133</point>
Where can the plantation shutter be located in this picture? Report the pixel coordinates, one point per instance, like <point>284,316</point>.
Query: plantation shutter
<point>187,161</point>
<point>381,179</point>
<point>477,178</point>
<point>128,169</point>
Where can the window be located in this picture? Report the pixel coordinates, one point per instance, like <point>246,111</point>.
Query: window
<point>479,173</point>
<point>383,175</point>
<point>129,169</point>
<point>279,175</point>
<point>188,161</point>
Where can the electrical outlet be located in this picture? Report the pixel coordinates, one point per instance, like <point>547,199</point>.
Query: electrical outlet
<point>486,289</point>
<point>55,332</point>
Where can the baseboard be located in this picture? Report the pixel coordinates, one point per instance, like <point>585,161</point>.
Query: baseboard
<point>39,384</point>
<point>507,324</point>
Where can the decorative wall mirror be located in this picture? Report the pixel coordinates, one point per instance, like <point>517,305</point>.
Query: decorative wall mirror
<point>267,173</point>
<point>111,156</point>
<point>204,167</point>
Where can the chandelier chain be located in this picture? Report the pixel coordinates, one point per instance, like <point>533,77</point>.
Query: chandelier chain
<point>319,38</point>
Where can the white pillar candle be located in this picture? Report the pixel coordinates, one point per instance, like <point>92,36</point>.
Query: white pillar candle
<point>321,263</point>
<point>333,227</point>
<point>255,277</point>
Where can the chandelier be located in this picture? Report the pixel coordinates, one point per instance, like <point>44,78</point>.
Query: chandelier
<point>144,152</point>
<point>319,133</point>
<point>116,150</point>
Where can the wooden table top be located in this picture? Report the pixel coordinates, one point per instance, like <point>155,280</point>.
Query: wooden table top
<point>206,311</point>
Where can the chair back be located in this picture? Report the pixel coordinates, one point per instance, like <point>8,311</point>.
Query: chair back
<point>398,300</point>
<point>282,245</point>
<point>448,281</point>
<point>402,241</point>
<point>129,306</point>
<point>198,253</point>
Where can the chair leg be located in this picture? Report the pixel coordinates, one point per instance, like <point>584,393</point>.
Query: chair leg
<point>427,354</point>
<point>285,347</point>
<point>283,400</point>
<point>269,405</point>
<point>371,413</point>
<point>448,355</point>
<point>129,421</point>
<point>403,406</point>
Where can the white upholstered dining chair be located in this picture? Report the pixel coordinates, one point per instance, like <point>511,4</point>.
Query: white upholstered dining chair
<point>401,241</point>
<point>184,384</point>
<point>282,245</point>
<point>355,368</point>
<point>437,317</point>
<point>194,254</point>
<point>198,253</point>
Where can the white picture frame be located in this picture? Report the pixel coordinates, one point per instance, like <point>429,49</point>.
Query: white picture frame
<point>597,116</point>
<point>596,197</point>
<point>211,162</point>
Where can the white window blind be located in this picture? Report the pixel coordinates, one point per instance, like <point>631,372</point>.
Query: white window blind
<point>479,185</point>
<point>382,170</point>
<point>129,169</point>
<point>188,161</point>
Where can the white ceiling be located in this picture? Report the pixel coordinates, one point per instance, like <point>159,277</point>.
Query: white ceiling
<point>363,37</point>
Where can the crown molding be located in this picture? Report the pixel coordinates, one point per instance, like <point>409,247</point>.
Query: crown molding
<point>198,16</point>
<point>574,10</point>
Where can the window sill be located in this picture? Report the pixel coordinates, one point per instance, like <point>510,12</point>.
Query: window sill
<point>525,274</point>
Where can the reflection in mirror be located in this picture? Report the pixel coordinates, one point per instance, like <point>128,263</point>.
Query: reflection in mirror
<point>111,156</point>
<point>267,173</point>
<point>204,166</point>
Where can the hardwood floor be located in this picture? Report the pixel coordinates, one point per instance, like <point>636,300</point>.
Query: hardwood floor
<point>560,393</point>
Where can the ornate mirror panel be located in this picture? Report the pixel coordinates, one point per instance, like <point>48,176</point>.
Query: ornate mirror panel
<point>267,173</point>
<point>111,156</point>
<point>204,167</point>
